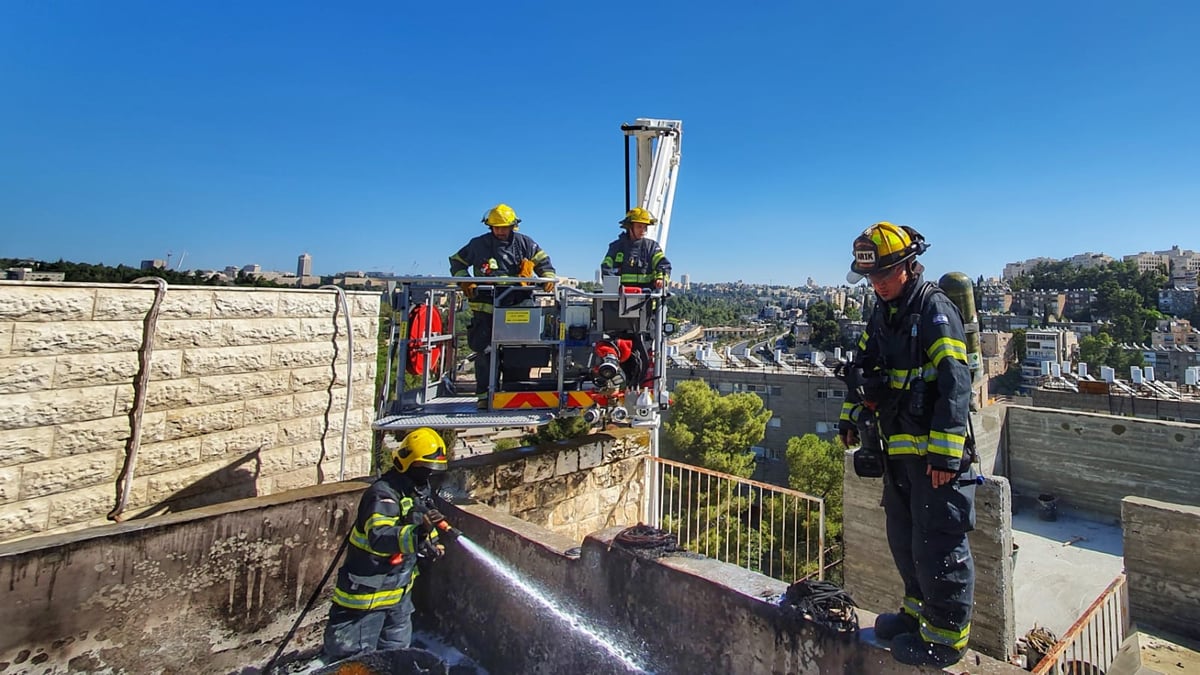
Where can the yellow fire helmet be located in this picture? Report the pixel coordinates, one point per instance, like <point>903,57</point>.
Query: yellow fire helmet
<point>883,246</point>
<point>638,215</point>
<point>501,215</point>
<point>421,447</point>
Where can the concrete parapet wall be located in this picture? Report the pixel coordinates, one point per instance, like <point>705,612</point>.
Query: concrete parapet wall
<point>209,590</point>
<point>1161,565</point>
<point>676,614</point>
<point>571,487</point>
<point>1092,461</point>
<point>245,397</point>
<point>871,577</point>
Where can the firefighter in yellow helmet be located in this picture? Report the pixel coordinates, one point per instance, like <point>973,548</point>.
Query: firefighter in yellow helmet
<point>910,392</point>
<point>637,260</point>
<point>396,525</point>
<point>501,252</point>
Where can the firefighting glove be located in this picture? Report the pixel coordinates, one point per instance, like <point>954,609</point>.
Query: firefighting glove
<point>548,286</point>
<point>848,432</point>
<point>468,289</point>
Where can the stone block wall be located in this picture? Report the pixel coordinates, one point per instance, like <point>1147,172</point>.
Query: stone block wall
<point>571,487</point>
<point>872,580</point>
<point>246,394</point>
<point>1163,571</point>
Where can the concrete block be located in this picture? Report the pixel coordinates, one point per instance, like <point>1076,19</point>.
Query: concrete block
<point>309,304</point>
<point>300,430</point>
<point>86,370</point>
<point>238,332</point>
<point>590,455</point>
<point>29,373</point>
<point>20,446</point>
<point>189,333</point>
<point>510,475</point>
<point>269,409</point>
<point>311,453</point>
<point>523,498</point>
<point>239,303</point>
<point>168,455</point>
<point>303,355</point>
<point>132,303</point>
<point>242,386</point>
<point>294,480</point>
<point>87,504</point>
<point>567,462</point>
<point>76,337</point>
<point>47,408</point>
<point>24,518</point>
<point>6,338</point>
<point>200,478</point>
<point>538,468</point>
<point>10,484</point>
<point>46,305</point>
<point>315,403</point>
<point>365,304</point>
<point>111,433</point>
<point>204,419</point>
<point>319,378</point>
<point>237,442</point>
<point>51,476</point>
<point>164,395</point>
<point>226,360</point>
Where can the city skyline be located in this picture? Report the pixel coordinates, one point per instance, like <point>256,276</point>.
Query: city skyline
<point>252,132</point>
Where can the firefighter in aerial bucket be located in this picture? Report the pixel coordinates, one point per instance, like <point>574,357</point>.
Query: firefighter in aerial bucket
<point>637,260</point>
<point>910,392</point>
<point>501,252</point>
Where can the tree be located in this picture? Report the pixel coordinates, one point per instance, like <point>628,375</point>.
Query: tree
<point>817,467</point>
<point>825,331</point>
<point>1018,344</point>
<point>714,431</point>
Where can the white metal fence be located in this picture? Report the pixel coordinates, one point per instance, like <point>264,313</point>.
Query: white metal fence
<point>762,527</point>
<point>1091,643</point>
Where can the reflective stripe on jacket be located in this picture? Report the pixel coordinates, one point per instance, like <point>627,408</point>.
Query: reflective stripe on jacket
<point>381,560</point>
<point>640,262</point>
<point>939,369</point>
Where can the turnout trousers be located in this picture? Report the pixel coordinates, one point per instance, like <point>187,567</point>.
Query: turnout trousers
<point>353,631</point>
<point>927,533</point>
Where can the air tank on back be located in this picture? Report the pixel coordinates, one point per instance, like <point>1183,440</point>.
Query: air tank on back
<point>961,292</point>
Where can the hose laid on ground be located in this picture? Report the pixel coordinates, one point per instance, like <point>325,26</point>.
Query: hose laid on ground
<point>650,541</point>
<point>141,381</point>
<point>341,296</point>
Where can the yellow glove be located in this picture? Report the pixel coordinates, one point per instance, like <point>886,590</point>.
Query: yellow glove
<point>526,268</point>
<point>468,289</point>
<point>548,286</point>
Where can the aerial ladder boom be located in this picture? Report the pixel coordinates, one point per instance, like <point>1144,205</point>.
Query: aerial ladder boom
<point>657,145</point>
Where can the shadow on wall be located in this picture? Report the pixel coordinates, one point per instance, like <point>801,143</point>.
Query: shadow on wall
<point>238,480</point>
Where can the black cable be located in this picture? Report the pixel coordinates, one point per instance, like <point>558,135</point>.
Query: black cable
<point>307,607</point>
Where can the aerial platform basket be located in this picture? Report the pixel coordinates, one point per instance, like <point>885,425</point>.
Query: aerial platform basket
<point>549,334</point>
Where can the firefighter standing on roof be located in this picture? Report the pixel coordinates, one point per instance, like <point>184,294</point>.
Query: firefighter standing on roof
<point>639,261</point>
<point>396,524</point>
<point>502,252</point>
<point>915,345</point>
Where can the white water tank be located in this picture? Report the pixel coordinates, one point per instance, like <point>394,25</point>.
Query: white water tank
<point>837,353</point>
<point>1107,374</point>
<point>1083,370</point>
<point>1055,370</point>
<point>1135,374</point>
<point>1191,376</point>
<point>1045,365</point>
<point>1149,372</point>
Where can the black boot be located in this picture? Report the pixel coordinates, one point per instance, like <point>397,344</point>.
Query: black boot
<point>911,649</point>
<point>888,626</point>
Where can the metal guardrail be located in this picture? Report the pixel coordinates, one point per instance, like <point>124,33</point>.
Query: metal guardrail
<point>765,528</point>
<point>1090,645</point>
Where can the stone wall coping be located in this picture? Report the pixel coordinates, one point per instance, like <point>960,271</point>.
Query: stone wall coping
<point>1099,415</point>
<point>1183,509</point>
<point>214,511</point>
<point>149,287</point>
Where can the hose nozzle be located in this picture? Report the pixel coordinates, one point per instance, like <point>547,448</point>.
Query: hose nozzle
<point>447,528</point>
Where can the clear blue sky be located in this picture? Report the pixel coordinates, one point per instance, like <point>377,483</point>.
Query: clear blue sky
<point>374,135</point>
